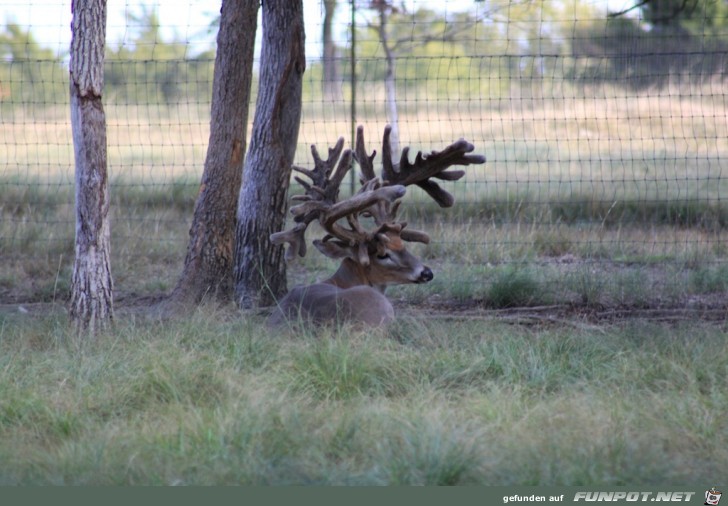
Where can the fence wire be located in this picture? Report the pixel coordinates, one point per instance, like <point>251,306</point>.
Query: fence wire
<point>606,139</point>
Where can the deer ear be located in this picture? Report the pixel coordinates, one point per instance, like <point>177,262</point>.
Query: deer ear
<point>334,249</point>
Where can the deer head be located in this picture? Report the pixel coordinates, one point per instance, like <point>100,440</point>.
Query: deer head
<point>374,256</point>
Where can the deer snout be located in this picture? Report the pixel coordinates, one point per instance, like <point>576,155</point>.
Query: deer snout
<point>425,275</point>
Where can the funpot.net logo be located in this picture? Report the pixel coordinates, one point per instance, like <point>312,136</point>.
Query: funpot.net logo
<point>634,496</point>
<point>712,497</point>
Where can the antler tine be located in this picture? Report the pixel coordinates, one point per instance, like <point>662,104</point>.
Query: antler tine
<point>428,166</point>
<point>366,162</point>
<point>323,186</point>
<point>355,205</point>
<point>321,194</point>
<point>388,168</point>
<point>324,168</point>
<point>295,237</point>
<point>414,236</point>
<point>340,173</point>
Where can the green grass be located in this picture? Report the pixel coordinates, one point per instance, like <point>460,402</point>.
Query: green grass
<point>514,287</point>
<point>214,398</point>
<point>495,265</point>
<point>503,264</point>
<point>561,182</point>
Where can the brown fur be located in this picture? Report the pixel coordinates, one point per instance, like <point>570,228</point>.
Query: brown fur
<point>355,293</point>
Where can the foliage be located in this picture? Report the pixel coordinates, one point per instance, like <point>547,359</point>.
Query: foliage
<point>152,70</point>
<point>438,56</point>
<point>149,70</point>
<point>675,39</point>
<point>696,17</point>
<point>514,287</point>
<point>29,74</point>
<point>486,51</point>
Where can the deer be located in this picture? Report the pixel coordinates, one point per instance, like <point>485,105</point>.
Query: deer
<point>371,258</point>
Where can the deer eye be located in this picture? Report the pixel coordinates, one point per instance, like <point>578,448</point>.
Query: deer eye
<point>383,256</point>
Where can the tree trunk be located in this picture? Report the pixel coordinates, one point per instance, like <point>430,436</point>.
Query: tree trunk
<point>390,82</point>
<point>332,81</point>
<point>390,87</point>
<point>208,266</point>
<point>260,270</point>
<point>91,307</point>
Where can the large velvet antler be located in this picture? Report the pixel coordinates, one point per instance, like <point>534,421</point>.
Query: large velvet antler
<point>378,197</point>
<point>320,202</point>
<point>430,166</point>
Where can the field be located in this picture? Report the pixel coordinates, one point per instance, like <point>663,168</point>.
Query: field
<point>218,399</point>
<point>575,331</point>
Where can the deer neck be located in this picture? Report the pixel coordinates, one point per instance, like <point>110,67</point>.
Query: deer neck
<point>351,274</point>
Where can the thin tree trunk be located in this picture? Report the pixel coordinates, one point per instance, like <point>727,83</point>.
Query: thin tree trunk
<point>208,265</point>
<point>91,306</point>
<point>390,87</point>
<point>260,270</point>
<point>332,80</point>
<point>390,82</point>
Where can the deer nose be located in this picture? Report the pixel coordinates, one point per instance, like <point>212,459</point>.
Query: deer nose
<point>426,275</point>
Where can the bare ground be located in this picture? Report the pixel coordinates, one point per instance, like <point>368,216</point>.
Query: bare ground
<point>707,308</point>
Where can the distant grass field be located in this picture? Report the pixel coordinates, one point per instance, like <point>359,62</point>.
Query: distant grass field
<point>214,398</point>
<point>602,195</point>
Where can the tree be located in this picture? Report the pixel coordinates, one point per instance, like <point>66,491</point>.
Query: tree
<point>91,307</point>
<point>694,17</point>
<point>671,12</point>
<point>384,11</point>
<point>331,80</point>
<point>260,271</point>
<point>208,264</point>
<point>28,72</point>
<point>145,68</point>
<point>682,39</point>
<point>398,32</point>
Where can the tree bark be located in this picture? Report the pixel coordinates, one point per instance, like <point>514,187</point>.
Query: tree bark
<point>208,266</point>
<point>260,270</point>
<point>91,306</point>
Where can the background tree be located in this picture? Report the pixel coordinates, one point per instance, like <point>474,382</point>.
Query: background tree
<point>391,46</point>
<point>398,33</point>
<point>91,306</point>
<point>29,73</point>
<point>208,264</point>
<point>331,79</point>
<point>679,14</point>
<point>694,17</point>
<point>260,270</point>
<point>685,39</point>
<point>146,68</point>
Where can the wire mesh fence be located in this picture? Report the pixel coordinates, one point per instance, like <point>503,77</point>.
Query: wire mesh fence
<point>606,136</point>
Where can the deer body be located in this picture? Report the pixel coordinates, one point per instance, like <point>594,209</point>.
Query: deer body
<point>355,293</point>
<point>326,303</point>
<point>371,259</point>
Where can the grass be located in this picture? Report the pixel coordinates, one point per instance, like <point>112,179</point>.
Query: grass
<point>216,399</point>
<point>508,264</point>
<point>589,262</point>
<point>562,181</point>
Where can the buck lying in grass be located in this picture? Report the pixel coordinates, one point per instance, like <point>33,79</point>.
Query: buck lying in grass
<point>371,259</point>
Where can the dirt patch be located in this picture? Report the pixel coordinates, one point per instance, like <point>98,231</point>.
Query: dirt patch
<point>707,307</point>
